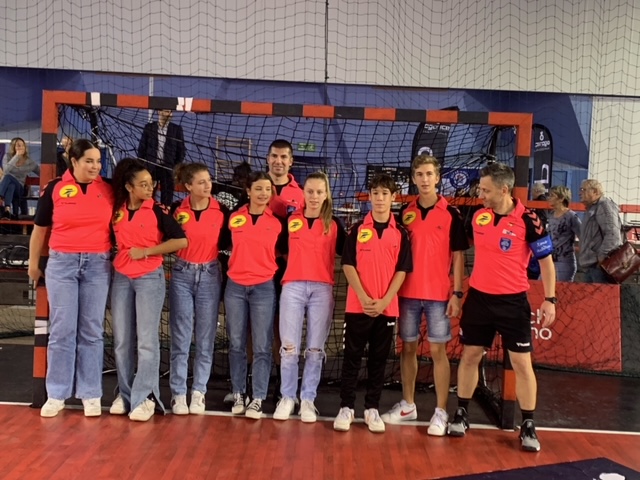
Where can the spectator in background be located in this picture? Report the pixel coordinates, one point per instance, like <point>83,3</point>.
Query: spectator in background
<point>601,231</point>
<point>230,194</point>
<point>564,227</point>
<point>539,194</point>
<point>17,165</point>
<point>62,158</point>
<point>162,147</point>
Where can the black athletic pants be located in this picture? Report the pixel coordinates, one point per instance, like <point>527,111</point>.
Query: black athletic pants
<point>361,329</point>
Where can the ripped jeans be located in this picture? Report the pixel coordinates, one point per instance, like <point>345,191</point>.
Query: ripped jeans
<point>316,299</point>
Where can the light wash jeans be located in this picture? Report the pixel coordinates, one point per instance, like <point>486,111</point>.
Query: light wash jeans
<point>77,288</point>
<point>257,302</point>
<point>317,299</point>
<point>194,298</point>
<point>136,306</point>
<point>10,187</point>
<point>565,271</point>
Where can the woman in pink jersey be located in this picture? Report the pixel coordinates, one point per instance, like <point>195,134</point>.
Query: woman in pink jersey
<point>144,231</point>
<point>76,208</point>
<point>249,298</point>
<point>194,290</point>
<point>315,236</point>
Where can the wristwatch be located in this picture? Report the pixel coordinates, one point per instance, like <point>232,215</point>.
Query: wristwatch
<point>458,293</point>
<point>553,300</point>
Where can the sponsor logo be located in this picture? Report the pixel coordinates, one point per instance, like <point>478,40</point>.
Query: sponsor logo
<point>295,225</point>
<point>484,219</point>
<point>505,244</point>
<point>391,324</point>
<point>237,221</point>
<point>182,218</point>
<point>508,232</point>
<point>118,216</point>
<point>291,209</point>
<point>425,151</point>
<point>528,344</point>
<point>365,235</point>
<point>68,191</point>
<point>408,218</point>
<point>404,414</point>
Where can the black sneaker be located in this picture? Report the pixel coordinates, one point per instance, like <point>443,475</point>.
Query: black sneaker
<point>254,410</point>
<point>6,215</point>
<point>460,424</point>
<point>528,438</point>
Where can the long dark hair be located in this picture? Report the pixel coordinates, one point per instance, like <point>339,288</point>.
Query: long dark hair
<point>124,173</point>
<point>77,149</point>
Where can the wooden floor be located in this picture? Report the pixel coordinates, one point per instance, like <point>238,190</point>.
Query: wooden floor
<point>221,447</point>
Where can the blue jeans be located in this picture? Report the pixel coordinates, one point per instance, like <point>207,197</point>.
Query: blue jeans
<point>565,271</point>
<point>136,306</point>
<point>194,290</point>
<point>9,187</point>
<point>317,299</point>
<point>438,324</point>
<point>595,274</point>
<point>257,302</point>
<point>77,288</point>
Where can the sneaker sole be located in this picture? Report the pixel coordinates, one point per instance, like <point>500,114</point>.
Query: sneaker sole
<point>253,414</point>
<point>387,419</point>
<point>308,419</point>
<point>117,412</point>
<point>93,414</point>
<point>140,419</point>
<point>238,411</point>
<point>196,411</point>
<point>453,433</point>
<point>530,449</point>
<point>341,428</point>
<point>50,414</point>
<point>281,417</point>
<point>180,413</point>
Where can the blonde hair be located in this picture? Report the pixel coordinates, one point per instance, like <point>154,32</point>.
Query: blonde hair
<point>593,184</point>
<point>563,193</point>
<point>326,211</point>
<point>12,147</point>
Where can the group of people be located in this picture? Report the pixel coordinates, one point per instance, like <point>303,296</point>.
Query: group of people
<point>283,241</point>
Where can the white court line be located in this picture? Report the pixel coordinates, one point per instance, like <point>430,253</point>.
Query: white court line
<point>474,426</point>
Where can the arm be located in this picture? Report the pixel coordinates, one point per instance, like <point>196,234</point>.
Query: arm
<point>36,245</point>
<point>378,305</point>
<point>169,246</point>
<point>11,164</point>
<point>455,303</point>
<point>610,227</point>
<point>548,275</point>
<point>353,278</point>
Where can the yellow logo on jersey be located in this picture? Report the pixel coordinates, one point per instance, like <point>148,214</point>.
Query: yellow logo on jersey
<point>118,216</point>
<point>295,225</point>
<point>408,218</point>
<point>365,235</point>
<point>68,191</point>
<point>484,219</point>
<point>237,221</point>
<point>182,218</point>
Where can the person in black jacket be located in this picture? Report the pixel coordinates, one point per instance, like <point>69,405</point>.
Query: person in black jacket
<point>162,147</point>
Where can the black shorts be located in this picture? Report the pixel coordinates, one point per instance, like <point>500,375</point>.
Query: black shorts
<point>484,314</point>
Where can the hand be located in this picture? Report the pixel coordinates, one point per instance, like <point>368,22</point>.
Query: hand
<point>137,253</point>
<point>454,307</point>
<point>34,273</point>
<point>548,312</point>
<point>366,301</point>
<point>376,307</point>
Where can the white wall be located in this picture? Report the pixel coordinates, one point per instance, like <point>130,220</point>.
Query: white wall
<point>574,46</point>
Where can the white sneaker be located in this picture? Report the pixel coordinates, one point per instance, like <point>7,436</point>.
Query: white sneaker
<point>373,420</point>
<point>196,407</point>
<point>143,412</point>
<point>239,404</point>
<point>343,420</point>
<point>438,424</point>
<point>400,412</point>
<point>308,411</point>
<point>179,405</point>
<point>92,407</point>
<point>51,408</point>
<point>284,408</point>
<point>117,407</point>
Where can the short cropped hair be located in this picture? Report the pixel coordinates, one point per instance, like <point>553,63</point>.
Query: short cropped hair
<point>501,174</point>
<point>281,143</point>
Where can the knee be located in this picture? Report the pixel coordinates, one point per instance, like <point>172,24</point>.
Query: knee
<point>314,355</point>
<point>438,351</point>
<point>471,357</point>
<point>288,351</point>
<point>409,348</point>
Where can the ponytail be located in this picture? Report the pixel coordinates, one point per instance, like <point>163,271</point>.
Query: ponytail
<point>124,173</point>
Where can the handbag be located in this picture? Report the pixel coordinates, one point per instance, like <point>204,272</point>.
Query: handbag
<point>621,263</point>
